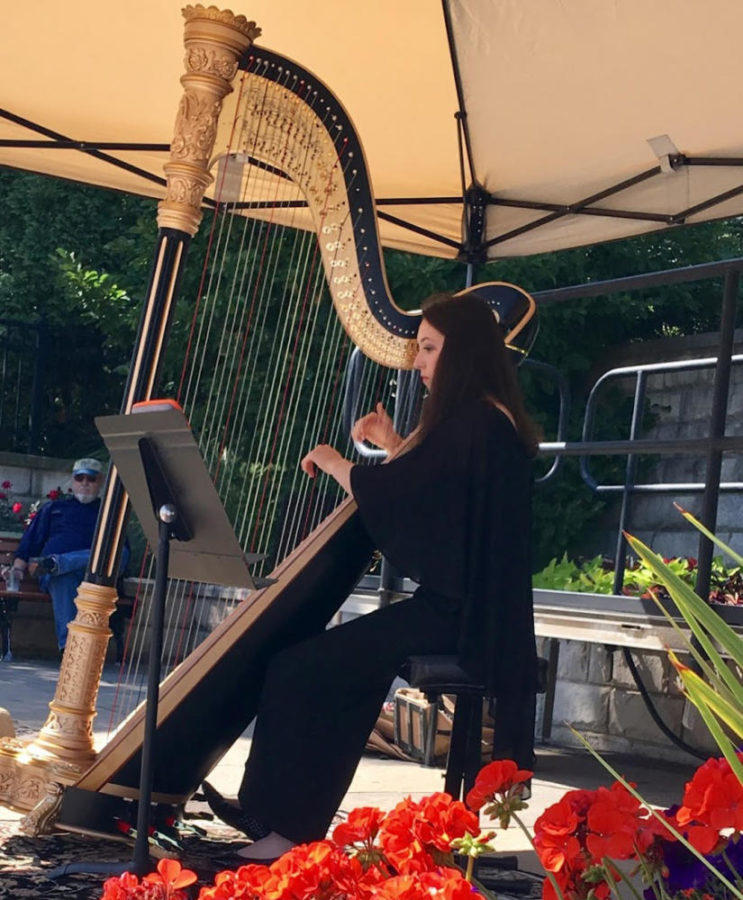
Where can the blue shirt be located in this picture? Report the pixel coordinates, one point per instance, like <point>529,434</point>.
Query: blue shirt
<point>59,527</point>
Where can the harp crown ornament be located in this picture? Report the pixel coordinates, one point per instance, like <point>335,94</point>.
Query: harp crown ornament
<point>215,40</point>
<point>199,12</point>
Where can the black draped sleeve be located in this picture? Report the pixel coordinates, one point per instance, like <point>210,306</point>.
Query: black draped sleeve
<point>453,514</point>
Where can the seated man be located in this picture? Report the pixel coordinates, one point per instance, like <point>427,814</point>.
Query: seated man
<point>57,542</point>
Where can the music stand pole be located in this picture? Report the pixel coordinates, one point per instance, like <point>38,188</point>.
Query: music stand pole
<point>170,524</point>
<point>167,515</point>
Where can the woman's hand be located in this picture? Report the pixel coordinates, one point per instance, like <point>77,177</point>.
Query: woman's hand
<point>321,457</point>
<point>377,428</point>
<point>329,460</point>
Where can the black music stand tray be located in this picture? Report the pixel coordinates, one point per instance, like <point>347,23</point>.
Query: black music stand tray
<point>162,469</point>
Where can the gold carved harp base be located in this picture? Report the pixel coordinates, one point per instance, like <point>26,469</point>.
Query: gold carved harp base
<point>63,750</point>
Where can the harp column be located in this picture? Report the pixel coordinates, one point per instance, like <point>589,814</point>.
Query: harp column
<point>214,41</point>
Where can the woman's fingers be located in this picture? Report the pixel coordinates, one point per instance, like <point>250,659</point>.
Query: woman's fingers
<point>308,466</point>
<point>362,427</point>
<point>320,457</point>
<point>357,431</point>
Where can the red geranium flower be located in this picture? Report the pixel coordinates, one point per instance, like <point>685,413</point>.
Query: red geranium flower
<point>554,833</point>
<point>164,884</point>
<point>498,777</point>
<point>447,884</point>
<point>703,838</point>
<point>245,883</point>
<point>316,871</point>
<point>440,820</point>
<point>500,785</point>
<point>577,838</point>
<point>6,485</point>
<point>401,845</point>
<point>713,797</point>
<point>414,835</point>
<point>613,820</point>
<point>361,827</point>
<point>172,876</point>
<point>357,835</point>
<point>17,507</point>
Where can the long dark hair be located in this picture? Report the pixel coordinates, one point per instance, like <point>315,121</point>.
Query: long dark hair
<point>473,364</point>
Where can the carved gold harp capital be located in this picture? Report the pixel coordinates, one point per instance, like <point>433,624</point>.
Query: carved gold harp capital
<point>215,40</point>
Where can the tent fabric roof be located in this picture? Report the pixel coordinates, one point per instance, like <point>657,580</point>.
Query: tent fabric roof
<point>561,98</point>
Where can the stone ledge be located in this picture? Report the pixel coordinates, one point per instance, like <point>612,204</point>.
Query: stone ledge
<point>28,461</point>
<point>612,743</point>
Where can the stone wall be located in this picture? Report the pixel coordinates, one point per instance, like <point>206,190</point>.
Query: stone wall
<point>597,695</point>
<point>32,477</point>
<point>680,404</point>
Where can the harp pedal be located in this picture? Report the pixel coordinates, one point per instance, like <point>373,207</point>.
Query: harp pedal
<point>113,818</point>
<point>90,812</point>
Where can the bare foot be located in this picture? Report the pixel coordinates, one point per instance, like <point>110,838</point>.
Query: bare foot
<point>268,848</point>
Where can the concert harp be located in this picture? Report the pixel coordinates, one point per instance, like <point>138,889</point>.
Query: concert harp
<point>263,353</point>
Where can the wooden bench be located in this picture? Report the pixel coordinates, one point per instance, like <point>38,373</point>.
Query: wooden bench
<point>31,607</point>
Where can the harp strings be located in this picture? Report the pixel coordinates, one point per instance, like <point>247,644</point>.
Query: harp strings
<point>262,381</point>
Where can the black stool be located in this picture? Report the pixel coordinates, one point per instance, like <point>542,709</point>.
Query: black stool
<point>436,675</point>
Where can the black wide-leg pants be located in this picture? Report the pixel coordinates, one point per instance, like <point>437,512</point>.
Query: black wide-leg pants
<point>319,703</point>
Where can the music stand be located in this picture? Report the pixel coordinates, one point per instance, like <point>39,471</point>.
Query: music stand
<point>162,470</point>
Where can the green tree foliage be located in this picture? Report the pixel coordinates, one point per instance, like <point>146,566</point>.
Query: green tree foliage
<point>72,258</point>
<point>77,259</point>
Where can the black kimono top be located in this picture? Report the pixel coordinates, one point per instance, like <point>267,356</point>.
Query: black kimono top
<point>454,515</point>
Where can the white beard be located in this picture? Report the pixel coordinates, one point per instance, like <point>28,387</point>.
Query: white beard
<point>85,498</point>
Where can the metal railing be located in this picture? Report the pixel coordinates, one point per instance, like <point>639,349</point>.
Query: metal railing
<point>22,351</point>
<point>641,373</point>
<point>714,445</point>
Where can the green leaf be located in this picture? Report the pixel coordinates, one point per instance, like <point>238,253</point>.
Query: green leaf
<point>700,693</point>
<point>721,739</point>
<point>707,533</point>
<point>701,618</point>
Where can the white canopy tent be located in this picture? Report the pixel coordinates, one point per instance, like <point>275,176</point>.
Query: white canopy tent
<point>558,100</point>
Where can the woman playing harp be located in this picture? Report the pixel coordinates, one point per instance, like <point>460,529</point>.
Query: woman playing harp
<point>453,513</point>
<point>297,153</point>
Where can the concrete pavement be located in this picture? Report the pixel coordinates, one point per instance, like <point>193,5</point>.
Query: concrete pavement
<point>26,687</point>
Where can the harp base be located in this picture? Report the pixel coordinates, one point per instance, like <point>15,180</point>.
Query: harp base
<point>27,780</point>
<point>42,817</point>
<point>63,749</point>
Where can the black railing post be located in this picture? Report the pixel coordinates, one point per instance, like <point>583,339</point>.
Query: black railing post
<point>407,397</point>
<point>37,387</point>
<point>629,483</point>
<point>718,415</point>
